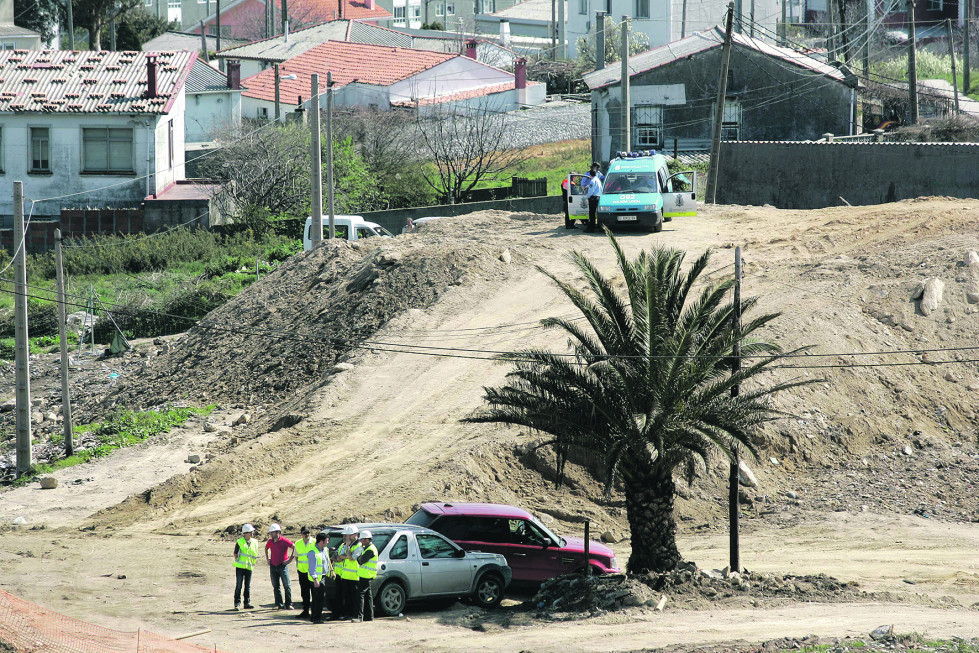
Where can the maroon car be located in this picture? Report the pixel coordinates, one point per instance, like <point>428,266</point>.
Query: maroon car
<point>533,552</point>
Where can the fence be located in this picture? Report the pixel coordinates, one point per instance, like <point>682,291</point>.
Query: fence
<point>29,628</point>
<point>76,223</point>
<point>519,187</point>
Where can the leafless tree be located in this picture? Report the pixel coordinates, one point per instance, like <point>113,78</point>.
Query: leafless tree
<point>467,146</point>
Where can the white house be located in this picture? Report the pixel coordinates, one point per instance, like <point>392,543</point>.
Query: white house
<point>13,37</point>
<point>665,22</point>
<point>213,101</point>
<point>386,77</point>
<point>100,129</point>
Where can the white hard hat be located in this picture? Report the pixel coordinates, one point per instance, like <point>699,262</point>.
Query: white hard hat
<point>274,528</point>
<point>366,535</point>
<point>349,529</point>
<point>247,528</point>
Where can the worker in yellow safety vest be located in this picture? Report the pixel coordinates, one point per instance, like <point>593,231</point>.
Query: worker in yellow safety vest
<point>318,569</point>
<point>246,553</point>
<point>366,573</point>
<point>304,545</point>
<point>346,569</point>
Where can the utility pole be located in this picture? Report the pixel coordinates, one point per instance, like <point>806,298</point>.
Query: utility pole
<point>966,46</point>
<point>553,30</point>
<point>562,47</point>
<point>599,40</point>
<point>278,113</point>
<point>868,19</point>
<point>715,144</point>
<point>831,53</point>
<point>71,27</point>
<point>22,370</point>
<point>782,32</point>
<point>751,27</point>
<point>316,229</point>
<point>733,499</point>
<point>683,20</point>
<point>204,48</point>
<point>112,35</point>
<point>329,151</point>
<point>912,67</point>
<point>951,55</point>
<point>217,44</point>
<point>626,109</point>
<point>285,18</point>
<point>63,337</point>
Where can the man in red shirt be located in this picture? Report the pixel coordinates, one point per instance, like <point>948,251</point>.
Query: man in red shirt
<point>279,552</point>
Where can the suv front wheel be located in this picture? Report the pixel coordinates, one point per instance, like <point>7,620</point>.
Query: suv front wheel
<point>489,591</point>
<point>391,599</point>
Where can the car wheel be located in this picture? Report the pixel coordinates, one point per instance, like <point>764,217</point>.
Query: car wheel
<point>658,224</point>
<point>489,591</point>
<point>391,599</point>
<point>667,219</point>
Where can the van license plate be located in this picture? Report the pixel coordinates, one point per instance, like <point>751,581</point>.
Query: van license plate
<point>627,218</point>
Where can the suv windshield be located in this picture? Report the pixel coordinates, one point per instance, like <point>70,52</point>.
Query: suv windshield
<point>633,182</point>
<point>557,538</point>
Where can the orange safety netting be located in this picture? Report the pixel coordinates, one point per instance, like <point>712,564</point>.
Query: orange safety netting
<point>29,628</point>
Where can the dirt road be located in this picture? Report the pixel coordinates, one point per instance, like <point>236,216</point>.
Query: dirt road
<point>842,278</point>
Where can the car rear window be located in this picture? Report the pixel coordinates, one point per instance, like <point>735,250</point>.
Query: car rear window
<point>381,539</point>
<point>421,518</point>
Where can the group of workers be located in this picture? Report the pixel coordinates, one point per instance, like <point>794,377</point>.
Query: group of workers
<point>352,565</point>
<point>591,184</point>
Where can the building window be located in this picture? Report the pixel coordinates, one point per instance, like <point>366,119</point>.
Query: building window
<point>583,7</point>
<point>170,143</point>
<point>8,46</point>
<point>450,9</point>
<point>642,8</point>
<point>40,149</point>
<point>399,13</point>
<point>731,123</point>
<point>148,3</point>
<point>263,113</point>
<point>648,128</point>
<point>107,149</point>
<point>416,12</point>
<point>935,5</point>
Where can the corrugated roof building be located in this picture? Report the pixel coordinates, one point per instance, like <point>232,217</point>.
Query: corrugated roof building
<point>773,93</point>
<point>98,129</point>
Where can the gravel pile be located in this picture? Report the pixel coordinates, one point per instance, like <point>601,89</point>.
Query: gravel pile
<point>549,123</point>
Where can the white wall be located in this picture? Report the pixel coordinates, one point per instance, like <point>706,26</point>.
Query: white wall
<point>66,161</point>
<point>208,113</point>
<point>166,171</point>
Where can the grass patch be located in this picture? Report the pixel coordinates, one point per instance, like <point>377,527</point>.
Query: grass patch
<point>122,429</point>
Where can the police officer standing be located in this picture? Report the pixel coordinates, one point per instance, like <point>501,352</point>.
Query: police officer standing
<point>366,572</point>
<point>593,191</point>
<point>246,554</point>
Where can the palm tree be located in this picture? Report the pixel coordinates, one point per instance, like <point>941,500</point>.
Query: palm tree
<point>647,385</point>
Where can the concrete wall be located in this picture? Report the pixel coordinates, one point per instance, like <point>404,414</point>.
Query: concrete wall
<point>394,219</point>
<point>778,100</point>
<point>209,113</point>
<point>815,175</point>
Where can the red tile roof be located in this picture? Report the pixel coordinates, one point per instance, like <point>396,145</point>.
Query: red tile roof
<point>330,9</point>
<point>59,81</point>
<point>349,62</point>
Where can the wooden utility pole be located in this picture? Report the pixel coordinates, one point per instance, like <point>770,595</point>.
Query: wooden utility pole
<point>912,67</point>
<point>966,46</point>
<point>329,151</point>
<point>951,55</point>
<point>278,110</point>
<point>782,32</point>
<point>868,18</point>
<point>599,41</point>
<point>22,352</point>
<point>831,53</point>
<point>733,499</point>
<point>71,27</point>
<point>63,338</point>
<point>715,143</point>
<point>316,228</point>
<point>626,109</point>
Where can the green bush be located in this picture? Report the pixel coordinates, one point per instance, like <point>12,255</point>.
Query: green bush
<point>42,320</point>
<point>224,265</point>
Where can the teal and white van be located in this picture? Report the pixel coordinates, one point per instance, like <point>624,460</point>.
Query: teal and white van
<point>640,191</point>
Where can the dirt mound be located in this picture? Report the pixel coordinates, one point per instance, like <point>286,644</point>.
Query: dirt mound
<point>289,330</point>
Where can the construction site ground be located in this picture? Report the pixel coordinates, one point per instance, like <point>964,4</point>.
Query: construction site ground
<point>871,481</point>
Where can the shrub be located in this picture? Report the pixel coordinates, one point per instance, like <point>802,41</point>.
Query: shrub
<point>42,320</point>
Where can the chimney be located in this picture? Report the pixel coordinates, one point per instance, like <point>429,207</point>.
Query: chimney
<point>520,80</point>
<point>505,32</point>
<point>151,76</point>
<point>371,4</point>
<point>340,5</point>
<point>471,48</point>
<point>234,74</point>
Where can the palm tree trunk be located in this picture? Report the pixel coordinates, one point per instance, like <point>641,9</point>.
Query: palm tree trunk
<point>649,506</point>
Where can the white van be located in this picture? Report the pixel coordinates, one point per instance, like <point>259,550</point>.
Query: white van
<point>346,227</point>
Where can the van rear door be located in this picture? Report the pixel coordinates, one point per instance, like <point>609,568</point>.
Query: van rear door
<point>680,196</point>
<point>577,204</point>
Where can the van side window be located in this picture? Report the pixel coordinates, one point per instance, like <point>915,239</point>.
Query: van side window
<point>341,231</point>
<point>363,232</point>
